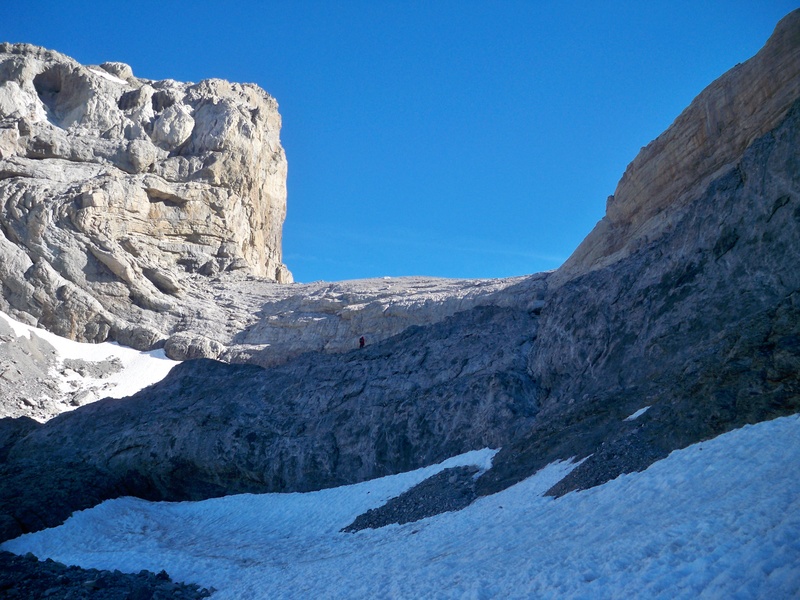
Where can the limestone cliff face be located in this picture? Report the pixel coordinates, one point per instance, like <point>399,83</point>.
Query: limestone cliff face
<point>115,190</point>
<point>703,142</point>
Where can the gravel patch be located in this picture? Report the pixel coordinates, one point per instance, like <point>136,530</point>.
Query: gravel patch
<point>449,490</point>
<point>27,577</point>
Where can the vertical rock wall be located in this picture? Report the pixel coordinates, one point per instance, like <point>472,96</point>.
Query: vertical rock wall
<point>116,191</point>
<point>706,138</point>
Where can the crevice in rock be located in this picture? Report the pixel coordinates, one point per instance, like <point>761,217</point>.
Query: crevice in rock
<point>165,198</point>
<point>48,86</point>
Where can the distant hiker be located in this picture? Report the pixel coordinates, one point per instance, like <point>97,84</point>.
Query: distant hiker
<point>361,342</point>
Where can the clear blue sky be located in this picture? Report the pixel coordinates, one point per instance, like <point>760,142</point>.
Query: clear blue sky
<point>456,139</point>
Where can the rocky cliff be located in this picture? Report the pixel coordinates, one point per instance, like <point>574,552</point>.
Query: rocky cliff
<point>688,307</point>
<point>700,146</point>
<point>120,195</point>
<point>150,212</point>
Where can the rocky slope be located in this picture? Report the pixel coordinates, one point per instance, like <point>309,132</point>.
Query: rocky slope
<point>690,306</point>
<point>320,420</point>
<point>42,375</point>
<point>150,212</point>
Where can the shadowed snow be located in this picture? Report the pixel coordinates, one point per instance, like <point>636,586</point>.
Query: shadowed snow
<point>717,519</point>
<point>75,373</point>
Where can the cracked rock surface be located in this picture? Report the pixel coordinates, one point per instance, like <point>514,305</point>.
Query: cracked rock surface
<point>114,190</point>
<point>696,317</point>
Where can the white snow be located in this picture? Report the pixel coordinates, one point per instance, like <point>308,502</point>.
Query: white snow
<point>139,369</point>
<point>720,519</point>
<point>108,76</point>
<point>637,414</point>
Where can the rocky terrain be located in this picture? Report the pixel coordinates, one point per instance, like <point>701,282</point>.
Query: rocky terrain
<point>42,375</point>
<point>114,189</point>
<point>700,146</point>
<point>684,299</point>
<point>150,213</point>
<point>25,577</point>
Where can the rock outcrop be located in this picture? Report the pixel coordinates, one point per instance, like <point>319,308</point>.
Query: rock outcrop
<point>115,190</point>
<point>690,306</point>
<point>26,577</point>
<point>150,213</point>
<point>211,428</point>
<point>700,146</point>
<point>702,325</point>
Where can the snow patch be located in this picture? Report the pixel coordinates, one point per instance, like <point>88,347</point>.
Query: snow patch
<point>721,519</point>
<point>637,414</point>
<point>138,369</point>
<point>108,76</point>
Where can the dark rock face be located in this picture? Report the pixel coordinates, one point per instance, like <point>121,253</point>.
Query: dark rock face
<point>321,420</point>
<point>703,324</point>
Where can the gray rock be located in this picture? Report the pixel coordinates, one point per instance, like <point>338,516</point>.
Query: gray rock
<point>703,325</point>
<point>698,318</point>
<point>452,489</point>
<point>27,577</point>
<point>136,210</point>
<point>703,142</point>
<point>185,346</point>
<point>320,420</point>
<point>114,190</point>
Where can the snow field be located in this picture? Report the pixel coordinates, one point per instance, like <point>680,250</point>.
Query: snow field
<point>720,519</point>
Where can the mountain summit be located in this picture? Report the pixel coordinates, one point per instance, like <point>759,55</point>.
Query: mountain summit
<point>120,196</point>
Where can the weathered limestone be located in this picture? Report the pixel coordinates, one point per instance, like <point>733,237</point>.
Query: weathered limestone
<point>114,190</point>
<point>706,138</point>
<point>699,320</point>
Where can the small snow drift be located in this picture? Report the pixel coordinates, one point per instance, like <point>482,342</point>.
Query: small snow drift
<point>43,375</point>
<point>717,519</point>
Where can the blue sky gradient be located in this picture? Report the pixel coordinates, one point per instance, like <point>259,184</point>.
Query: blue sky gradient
<point>455,139</point>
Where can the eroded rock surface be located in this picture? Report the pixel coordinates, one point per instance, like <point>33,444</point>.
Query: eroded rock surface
<point>702,325</point>
<point>114,190</point>
<point>211,428</point>
<point>706,139</point>
<point>699,320</point>
<point>150,212</point>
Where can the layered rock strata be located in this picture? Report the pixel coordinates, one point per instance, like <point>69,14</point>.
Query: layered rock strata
<point>702,325</point>
<point>699,320</point>
<point>115,189</point>
<point>704,141</point>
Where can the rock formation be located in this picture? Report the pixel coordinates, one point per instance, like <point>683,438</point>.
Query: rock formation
<point>320,420</point>
<point>701,145</point>
<point>115,190</point>
<point>150,212</point>
<point>685,299</point>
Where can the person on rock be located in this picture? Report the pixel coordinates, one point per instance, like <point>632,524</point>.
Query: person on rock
<point>362,342</point>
